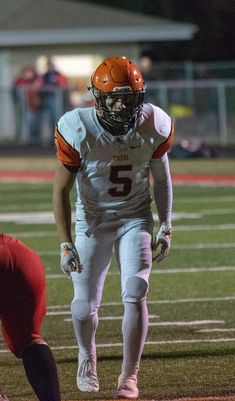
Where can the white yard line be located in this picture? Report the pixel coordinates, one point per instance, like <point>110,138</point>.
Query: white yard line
<point>156,302</point>
<point>153,324</point>
<point>184,323</point>
<point>204,246</point>
<point>47,217</point>
<point>217,330</point>
<point>164,271</point>
<point>188,227</point>
<point>101,318</point>
<point>193,300</point>
<point>204,227</point>
<point>213,245</point>
<point>168,342</point>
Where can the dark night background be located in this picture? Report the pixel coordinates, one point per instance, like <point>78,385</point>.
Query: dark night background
<point>215,40</point>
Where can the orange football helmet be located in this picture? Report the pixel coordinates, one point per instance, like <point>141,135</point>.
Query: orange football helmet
<point>118,88</point>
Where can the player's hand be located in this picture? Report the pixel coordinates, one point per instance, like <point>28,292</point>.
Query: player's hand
<point>162,242</point>
<point>69,258</point>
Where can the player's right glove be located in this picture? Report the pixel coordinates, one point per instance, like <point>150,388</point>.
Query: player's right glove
<point>162,242</point>
<point>69,258</point>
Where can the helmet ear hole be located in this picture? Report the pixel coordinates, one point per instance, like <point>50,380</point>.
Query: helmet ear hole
<point>120,80</point>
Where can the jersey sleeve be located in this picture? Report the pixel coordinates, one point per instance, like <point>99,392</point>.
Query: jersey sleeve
<point>69,133</point>
<point>164,146</point>
<point>157,128</point>
<point>64,151</point>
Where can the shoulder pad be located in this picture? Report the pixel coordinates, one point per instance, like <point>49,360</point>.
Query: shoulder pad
<point>71,127</point>
<point>157,121</point>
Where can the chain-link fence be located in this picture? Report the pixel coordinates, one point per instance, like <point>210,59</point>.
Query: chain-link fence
<point>202,109</point>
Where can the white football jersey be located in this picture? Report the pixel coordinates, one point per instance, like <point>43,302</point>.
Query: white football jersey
<point>112,171</point>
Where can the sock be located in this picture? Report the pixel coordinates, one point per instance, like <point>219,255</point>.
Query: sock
<point>134,330</point>
<point>40,369</point>
<point>85,331</point>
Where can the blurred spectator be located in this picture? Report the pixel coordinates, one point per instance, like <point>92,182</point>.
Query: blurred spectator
<point>147,70</point>
<point>27,86</point>
<point>150,74</point>
<point>53,96</point>
<point>202,72</point>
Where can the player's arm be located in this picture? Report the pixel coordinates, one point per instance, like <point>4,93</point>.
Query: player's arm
<point>66,171</point>
<point>63,183</point>
<point>163,195</point>
<point>162,188</point>
<point>67,167</point>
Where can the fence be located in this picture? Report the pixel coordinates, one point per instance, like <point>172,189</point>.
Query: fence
<point>203,110</point>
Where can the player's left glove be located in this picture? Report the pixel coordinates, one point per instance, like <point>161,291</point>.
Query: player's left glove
<point>70,261</point>
<point>162,241</point>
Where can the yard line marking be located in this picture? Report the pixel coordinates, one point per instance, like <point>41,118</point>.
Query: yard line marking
<point>197,215</point>
<point>100,318</point>
<point>213,340</point>
<point>212,245</point>
<point>163,301</point>
<point>205,199</point>
<point>160,324</point>
<point>212,212</point>
<point>47,217</point>
<point>216,330</point>
<point>192,300</point>
<point>184,323</point>
<point>204,246</point>
<point>29,234</point>
<point>204,227</point>
<point>105,318</point>
<point>163,342</point>
<point>189,227</point>
<point>164,271</point>
<point>44,217</point>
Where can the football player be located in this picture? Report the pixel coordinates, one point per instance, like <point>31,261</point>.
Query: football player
<point>109,151</point>
<point>22,309</point>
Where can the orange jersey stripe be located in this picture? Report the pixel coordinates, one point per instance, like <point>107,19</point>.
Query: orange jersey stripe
<point>65,153</point>
<point>165,146</point>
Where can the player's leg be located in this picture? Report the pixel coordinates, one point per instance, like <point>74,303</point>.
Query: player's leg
<point>41,371</point>
<point>95,255</point>
<point>135,259</point>
<point>22,313</point>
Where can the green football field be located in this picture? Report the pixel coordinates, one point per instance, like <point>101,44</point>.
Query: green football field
<point>190,348</point>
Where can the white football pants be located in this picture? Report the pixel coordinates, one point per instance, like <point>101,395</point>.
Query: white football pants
<point>131,239</point>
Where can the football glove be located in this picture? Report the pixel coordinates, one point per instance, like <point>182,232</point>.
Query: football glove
<point>69,258</point>
<point>162,241</point>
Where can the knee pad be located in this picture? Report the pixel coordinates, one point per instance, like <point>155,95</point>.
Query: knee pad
<point>81,310</point>
<point>135,289</point>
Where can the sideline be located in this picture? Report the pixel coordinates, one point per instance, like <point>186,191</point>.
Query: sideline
<point>180,179</point>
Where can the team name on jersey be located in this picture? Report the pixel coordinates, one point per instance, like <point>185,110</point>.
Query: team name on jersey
<point>120,158</point>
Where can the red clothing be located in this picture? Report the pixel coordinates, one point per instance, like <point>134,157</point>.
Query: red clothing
<point>22,294</point>
<point>31,83</point>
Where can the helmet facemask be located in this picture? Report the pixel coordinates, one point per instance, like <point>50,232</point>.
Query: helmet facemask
<point>118,88</point>
<point>120,109</point>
